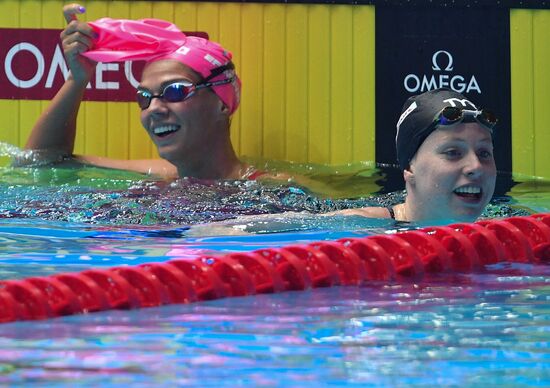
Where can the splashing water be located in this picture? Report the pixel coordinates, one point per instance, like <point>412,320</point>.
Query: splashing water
<point>50,187</point>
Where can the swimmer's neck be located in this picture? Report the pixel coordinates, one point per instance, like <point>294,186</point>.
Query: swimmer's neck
<point>409,212</point>
<point>219,165</point>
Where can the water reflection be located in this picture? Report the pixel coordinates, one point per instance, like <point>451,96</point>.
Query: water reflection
<point>477,329</point>
<point>109,197</point>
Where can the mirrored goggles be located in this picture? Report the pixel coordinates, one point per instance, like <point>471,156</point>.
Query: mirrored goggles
<point>176,92</point>
<point>451,115</point>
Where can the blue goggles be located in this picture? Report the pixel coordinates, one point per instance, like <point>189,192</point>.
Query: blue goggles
<point>175,92</point>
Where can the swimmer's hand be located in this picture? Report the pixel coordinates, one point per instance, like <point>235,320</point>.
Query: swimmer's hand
<point>77,38</point>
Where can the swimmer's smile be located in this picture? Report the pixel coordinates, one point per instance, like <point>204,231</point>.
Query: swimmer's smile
<point>165,130</point>
<point>469,193</point>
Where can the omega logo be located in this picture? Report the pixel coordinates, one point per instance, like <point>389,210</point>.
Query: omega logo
<point>442,64</point>
<point>51,64</point>
<point>435,62</point>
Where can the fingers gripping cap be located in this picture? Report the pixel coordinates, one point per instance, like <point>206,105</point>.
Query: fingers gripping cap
<point>153,39</point>
<point>417,116</point>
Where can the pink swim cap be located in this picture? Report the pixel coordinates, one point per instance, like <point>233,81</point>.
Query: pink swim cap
<point>154,39</point>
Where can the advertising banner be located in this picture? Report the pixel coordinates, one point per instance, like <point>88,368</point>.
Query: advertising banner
<point>420,49</point>
<point>33,68</point>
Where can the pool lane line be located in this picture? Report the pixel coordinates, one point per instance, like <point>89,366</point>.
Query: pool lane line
<point>401,256</point>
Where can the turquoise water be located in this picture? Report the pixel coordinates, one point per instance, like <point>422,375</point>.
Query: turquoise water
<point>483,329</point>
<point>473,330</point>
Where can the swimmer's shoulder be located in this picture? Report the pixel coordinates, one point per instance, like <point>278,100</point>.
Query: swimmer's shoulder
<point>284,178</point>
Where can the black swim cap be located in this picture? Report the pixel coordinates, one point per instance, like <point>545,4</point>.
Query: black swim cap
<point>417,117</point>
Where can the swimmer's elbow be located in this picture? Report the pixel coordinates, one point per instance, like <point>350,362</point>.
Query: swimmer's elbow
<point>36,157</point>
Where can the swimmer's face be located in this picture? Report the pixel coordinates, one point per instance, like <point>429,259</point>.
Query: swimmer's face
<point>182,131</point>
<point>453,174</point>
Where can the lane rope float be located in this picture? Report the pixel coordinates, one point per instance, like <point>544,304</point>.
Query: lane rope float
<point>460,247</point>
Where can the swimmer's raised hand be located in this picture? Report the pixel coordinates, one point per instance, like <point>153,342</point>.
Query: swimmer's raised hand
<point>71,10</point>
<point>77,38</point>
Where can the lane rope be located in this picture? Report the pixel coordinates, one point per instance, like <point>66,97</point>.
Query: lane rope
<point>461,247</point>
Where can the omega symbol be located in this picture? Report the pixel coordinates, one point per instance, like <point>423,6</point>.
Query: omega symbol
<point>435,63</point>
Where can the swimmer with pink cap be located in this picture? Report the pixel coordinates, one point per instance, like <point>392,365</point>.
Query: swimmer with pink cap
<point>153,40</point>
<point>188,91</point>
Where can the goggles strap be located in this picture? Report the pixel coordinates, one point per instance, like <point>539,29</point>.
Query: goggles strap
<point>218,70</point>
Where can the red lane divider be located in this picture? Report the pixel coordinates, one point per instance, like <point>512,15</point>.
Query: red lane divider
<point>32,303</point>
<point>537,234</point>
<point>351,269</point>
<point>238,282</point>
<point>542,251</point>
<point>10,309</point>
<point>60,298</point>
<point>292,270</point>
<point>514,240</point>
<point>178,286</point>
<point>486,243</point>
<point>205,281</point>
<point>403,257</point>
<point>464,257</point>
<point>322,271</point>
<point>265,277</point>
<point>148,288</point>
<point>375,259</point>
<point>349,261</point>
<point>433,255</point>
<point>119,292</point>
<point>89,294</point>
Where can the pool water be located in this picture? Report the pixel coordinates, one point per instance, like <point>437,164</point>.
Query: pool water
<point>481,329</point>
<point>474,330</point>
<point>110,197</point>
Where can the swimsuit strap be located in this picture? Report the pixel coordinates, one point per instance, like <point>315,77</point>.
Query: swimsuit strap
<point>255,175</point>
<point>391,211</point>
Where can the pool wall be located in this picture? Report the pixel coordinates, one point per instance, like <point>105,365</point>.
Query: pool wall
<point>309,75</point>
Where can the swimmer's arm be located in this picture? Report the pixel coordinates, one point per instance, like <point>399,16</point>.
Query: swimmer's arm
<point>55,129</point>
<point>316,186</point>
<point>157,167</point>
<point>369,212</point>
<point>275,223</point>
<point>249,224</point>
